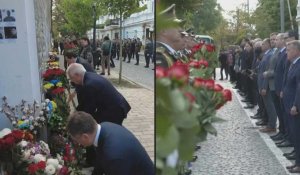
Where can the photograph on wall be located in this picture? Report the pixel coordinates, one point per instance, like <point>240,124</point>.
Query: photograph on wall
<point>1,33</point>
<point>8,15</point>
<point>10,32</point>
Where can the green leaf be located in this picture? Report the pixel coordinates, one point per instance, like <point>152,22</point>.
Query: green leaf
<point>188,140</point>
<point>167,143</point>
<point>169,171</point>
<point>209,128</point>
<point>217,120</point>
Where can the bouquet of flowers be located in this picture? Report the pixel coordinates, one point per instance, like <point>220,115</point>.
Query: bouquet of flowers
<point>35,159</point>
<point>26,117</point>
<point>186,102</point>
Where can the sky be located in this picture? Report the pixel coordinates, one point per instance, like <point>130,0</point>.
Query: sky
<point>229,5</point>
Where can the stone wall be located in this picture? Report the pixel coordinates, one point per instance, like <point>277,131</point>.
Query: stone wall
<point>43,29</point>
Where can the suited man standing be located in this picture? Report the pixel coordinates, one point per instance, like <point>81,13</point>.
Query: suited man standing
<point>118,151</point>
<point>291,96</point>
<point>263,87</point>
<point>100,98</point>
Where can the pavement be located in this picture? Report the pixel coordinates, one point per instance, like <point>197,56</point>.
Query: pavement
<point>239,148</point>
<point>140,119</point>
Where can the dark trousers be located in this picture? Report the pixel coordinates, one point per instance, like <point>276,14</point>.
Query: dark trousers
<point>231,73</point>
<point>147,58</point>
<point>112,64</point>
<point>289,123</point>
<point>296,138</point>
<point>118,54</point>
<point>224,67</point>
<point>279,112</point>
<point>137,57</point>
<point>262,109</point>
<point>124,56</point>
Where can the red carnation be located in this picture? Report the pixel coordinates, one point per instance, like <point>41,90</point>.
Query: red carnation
<point>41,165</point>
<point>58,90</point>
<point>32,168</point>
<point>9,140</point>
<point>160,72</point>
<point>179,72</point>
<point>63,171</point>
<point>194,64</point>
<point>218,88</point>
<point>227,95</point>
<point>18,134</point>
<point>203,62</point>
<point>210,47</point>
<point>199,82</point>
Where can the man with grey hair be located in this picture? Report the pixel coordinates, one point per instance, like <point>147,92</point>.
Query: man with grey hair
<point>98,98</point>
<point>291,98</point>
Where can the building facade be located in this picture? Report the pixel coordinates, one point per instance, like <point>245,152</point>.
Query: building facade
<point>138,25</point>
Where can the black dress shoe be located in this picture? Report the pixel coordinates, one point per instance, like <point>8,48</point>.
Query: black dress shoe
<point>194,158</point>
<point>249,107</point>
<point>136,64</point>
<point>102,73</point>
<point>296,169</point>
<point>146,66</point>
<point>256,117</point>
<point>197,147</point>
<point>276,135</point>
<point>245,100</point>
<point>261,123</point>
<point>284,144</point>
<point>290,167</point>
<point>291,157</point>
<point>289,154</point>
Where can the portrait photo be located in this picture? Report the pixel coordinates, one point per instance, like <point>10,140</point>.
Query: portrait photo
<point>8,15</point>
<point>10,32</point>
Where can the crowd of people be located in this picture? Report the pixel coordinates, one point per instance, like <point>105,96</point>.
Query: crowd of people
<point>97,121</point>
<point>266,73</point>
<point>106,50</point>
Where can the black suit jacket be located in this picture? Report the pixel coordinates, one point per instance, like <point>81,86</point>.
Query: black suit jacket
<point>120,153</point>
<point>101,99</point>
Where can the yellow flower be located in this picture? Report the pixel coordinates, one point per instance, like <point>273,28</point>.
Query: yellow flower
<point>59,84</point>
<point>48,86</point>
<point>54,105</point>
<point>20,122</point>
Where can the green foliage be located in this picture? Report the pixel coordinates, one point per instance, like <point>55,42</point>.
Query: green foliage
<point>183,6</point>
<point>74,16</point>
<point>267,17</point>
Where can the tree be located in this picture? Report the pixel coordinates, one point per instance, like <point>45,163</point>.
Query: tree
<point>267,17</point>
<point>182,6</point>
<point>74,16</point>
<point>123,9</point>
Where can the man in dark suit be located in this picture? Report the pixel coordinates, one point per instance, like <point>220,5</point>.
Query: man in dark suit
<point>71,56</point>
<point>291,96</point>
<point>100,98</point>
<point>262,86</point>
<point>118,151</point>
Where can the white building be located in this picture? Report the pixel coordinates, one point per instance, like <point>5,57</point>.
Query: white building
<point>138,25</point>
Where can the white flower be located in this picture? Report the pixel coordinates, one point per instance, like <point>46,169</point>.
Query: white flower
<point>48,109</point>
<point>43,104</point>
<point>59,158</point>
<point>26,121</point>
<point>38,157</point>
<point>35,123</point>
<point>37,118</point>
<point>41,112</point>
<point>26,155</point>
<point>31,127</point>
<point>172,159</point>
<point>47,100</point>
<point>34,132</point>
<point>23,117</point>
<point>14,122</point>
<point>50,169</point>
<point>23,143</point>
<point>31,118</point>
<point>53,162</point>
<point>42,118</point>
<point>4,132</point>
